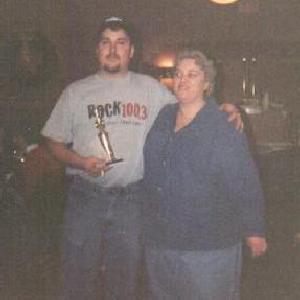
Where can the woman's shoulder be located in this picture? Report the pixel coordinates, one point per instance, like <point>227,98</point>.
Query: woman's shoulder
<point>168,111</point>
<point>166,115</point>
<point>224,129</point>
<point>214,116</point>
<point>169,108</point>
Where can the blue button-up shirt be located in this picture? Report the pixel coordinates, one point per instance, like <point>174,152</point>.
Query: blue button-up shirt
<point>202,186</point>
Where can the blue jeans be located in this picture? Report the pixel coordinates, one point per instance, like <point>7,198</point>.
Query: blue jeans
<point>101,245</point>
<point>193,275</point>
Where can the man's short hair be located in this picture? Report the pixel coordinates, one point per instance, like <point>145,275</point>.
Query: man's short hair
<point>115,24</point>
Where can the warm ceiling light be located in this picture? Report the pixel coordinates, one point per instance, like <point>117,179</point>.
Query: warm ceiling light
<point>165,60</point>
<point>224,1</point>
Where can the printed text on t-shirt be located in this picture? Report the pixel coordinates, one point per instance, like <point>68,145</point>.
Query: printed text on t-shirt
<point>117,108</point>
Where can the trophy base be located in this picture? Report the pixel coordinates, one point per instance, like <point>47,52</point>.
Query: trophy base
<point>114,161</point>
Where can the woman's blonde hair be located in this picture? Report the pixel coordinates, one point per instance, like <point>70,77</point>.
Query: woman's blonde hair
<point>205,64</point>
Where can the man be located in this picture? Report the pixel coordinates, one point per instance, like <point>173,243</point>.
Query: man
<point>101,229</point>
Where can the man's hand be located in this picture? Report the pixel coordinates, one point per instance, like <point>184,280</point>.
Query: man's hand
<point>95,166</point>
<point>257,245</point>
<point>92,165</point>
<point>234,115</point>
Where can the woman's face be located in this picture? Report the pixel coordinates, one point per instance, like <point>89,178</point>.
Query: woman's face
<point>189,81</point>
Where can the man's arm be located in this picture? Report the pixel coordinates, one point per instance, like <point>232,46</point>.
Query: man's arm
<point>231,109</point>
<point>234,115</point>
<point>93,166</point>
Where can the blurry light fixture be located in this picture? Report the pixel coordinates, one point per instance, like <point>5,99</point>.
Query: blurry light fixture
<point>224,1</point>
<point>165,60</point>
<point>164,65</point>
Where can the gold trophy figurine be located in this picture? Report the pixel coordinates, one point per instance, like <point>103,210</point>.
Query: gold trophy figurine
<point>104,140</point>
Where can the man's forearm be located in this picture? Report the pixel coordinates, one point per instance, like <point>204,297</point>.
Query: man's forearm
<point>64,155</point>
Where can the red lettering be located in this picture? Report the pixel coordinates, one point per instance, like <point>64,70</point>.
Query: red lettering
<point>144,113</point>
<point>124,110</point>
<point>136,111</point>
<point>129,109</point>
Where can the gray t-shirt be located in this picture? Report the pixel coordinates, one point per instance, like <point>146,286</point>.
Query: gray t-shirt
<point>129,106</point>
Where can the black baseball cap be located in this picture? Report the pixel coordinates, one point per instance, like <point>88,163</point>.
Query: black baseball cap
<point>115,24</point>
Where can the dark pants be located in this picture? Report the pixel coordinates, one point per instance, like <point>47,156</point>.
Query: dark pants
<point>101,250</point>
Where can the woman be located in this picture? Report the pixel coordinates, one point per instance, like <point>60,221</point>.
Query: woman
<point>204,193</point>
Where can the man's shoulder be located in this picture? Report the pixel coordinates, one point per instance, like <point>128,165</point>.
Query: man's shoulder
<point>153,88</point>
<point>144,78</point>
<point>83,82</point>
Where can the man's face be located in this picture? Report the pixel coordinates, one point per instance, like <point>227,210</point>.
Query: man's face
<point>114,52</point>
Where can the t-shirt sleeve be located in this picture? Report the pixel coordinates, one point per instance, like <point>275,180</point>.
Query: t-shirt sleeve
<point>59,126</point>
<point>165,95</point>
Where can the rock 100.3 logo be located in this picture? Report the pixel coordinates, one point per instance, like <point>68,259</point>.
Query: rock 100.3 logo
<point>125,110</point>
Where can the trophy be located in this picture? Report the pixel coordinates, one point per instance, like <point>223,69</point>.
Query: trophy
<point>104,140</point>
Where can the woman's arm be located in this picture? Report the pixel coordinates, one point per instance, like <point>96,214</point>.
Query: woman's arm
<point>243,184</point>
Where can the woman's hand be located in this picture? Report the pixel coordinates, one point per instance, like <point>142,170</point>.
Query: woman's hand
<point>257,245</point>
<point>234,115</point>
